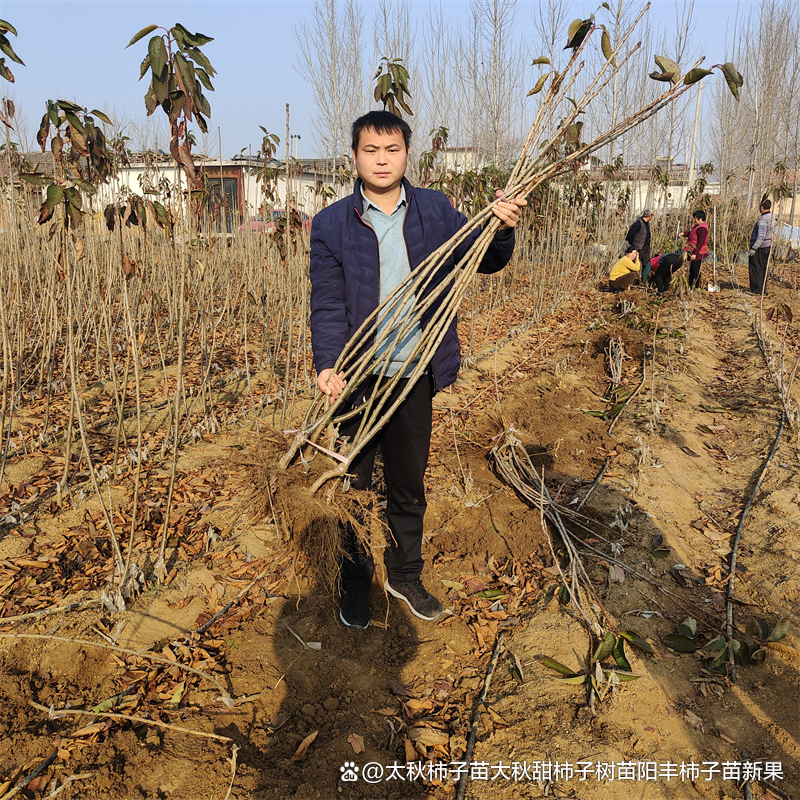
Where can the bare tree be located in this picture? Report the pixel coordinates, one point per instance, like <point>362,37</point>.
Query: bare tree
<point>762,131</point>
<point>394,34</point>
<point>549,20</point>
<point>497,83</point>
<point>436,103</point>
<point>330,60</point>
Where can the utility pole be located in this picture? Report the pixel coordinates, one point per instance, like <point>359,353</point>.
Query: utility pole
<point>222,195</point>
<point>286,173</point>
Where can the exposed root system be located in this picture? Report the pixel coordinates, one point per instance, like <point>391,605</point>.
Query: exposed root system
<point>314,525</point>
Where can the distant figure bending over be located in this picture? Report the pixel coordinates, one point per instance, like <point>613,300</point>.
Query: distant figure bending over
<point>625,271</point>
<point>760,244</point>
<point>662,268</point>
<point>696,247</point>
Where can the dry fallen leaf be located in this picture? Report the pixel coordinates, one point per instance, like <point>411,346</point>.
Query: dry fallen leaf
<point>428,736</point>
<point>418,705</point>
<point>95,727</point>
<point>411,753</point>
<point>357,742</point>
<point>279,720</point>
<point>39,782</point>
<point>496,718</point>
<point>304,745</point>
<point>616,574</point>
<point>400,690</point>
<point>458,745</point>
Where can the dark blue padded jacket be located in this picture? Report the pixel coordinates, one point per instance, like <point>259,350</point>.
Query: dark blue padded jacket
<point>345,270</point>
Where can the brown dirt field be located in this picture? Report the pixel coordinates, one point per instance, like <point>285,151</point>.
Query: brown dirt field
<point>683,460</point>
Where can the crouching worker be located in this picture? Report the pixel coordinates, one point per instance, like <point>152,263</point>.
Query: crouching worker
<point>663,267</point>
<point>362,248</point>
<point>625,271</point>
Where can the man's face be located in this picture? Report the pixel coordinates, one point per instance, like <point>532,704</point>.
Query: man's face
<point>648,218</point>
<point>381,159</point>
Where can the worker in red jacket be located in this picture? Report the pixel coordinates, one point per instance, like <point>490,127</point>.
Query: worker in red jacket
<point>696,247</point>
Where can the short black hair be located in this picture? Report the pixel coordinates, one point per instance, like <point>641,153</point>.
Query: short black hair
<point>700,214</point>
<point>381,122</point>
<point>629,249</point>
<point>767,204</point>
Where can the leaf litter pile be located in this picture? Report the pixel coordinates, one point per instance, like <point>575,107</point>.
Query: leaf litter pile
<point>287,695</point>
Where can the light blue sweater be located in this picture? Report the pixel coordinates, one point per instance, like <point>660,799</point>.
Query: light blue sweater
<point>394,269</point>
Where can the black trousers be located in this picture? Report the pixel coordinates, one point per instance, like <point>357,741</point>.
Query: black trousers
<point>405,441</point>
<point>644,259</point>
<point>663,277</point>
<point>757,267</point>
<point>694,273</point>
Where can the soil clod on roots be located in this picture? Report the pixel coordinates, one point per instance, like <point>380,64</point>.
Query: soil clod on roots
<point>314,526</point>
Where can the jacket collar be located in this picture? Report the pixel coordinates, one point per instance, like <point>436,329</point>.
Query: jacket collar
<point>358,199</point>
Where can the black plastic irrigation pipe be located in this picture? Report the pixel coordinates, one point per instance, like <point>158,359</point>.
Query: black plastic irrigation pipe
<point>476,715</point>
<point>735,548</point>
<point>21,784</point>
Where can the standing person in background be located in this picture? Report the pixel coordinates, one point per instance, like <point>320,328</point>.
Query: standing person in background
<point>696,247</point>
<point>638,237</point>
<point>625,271</point>
<point>760,244</point>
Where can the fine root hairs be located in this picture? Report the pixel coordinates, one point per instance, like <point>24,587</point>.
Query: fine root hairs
<point>315,525</point>
<point>616,355</point>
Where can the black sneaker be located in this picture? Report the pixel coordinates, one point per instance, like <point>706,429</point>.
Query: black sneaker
<point>421,602</point>
<point>354,610</point>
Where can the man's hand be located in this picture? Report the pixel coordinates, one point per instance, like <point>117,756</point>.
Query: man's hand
<point>508,211</point>
<point>330,384</point>
<point>751,252</point>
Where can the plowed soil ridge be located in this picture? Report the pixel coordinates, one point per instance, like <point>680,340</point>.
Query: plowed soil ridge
<point>683,458</point>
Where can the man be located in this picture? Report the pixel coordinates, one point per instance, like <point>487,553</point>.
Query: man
<point>663,268</point>
<point>638,237</point>
<point>625,271</point>
<point>696,247</point>
<point>362,248</point>
<point>760,244</point>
